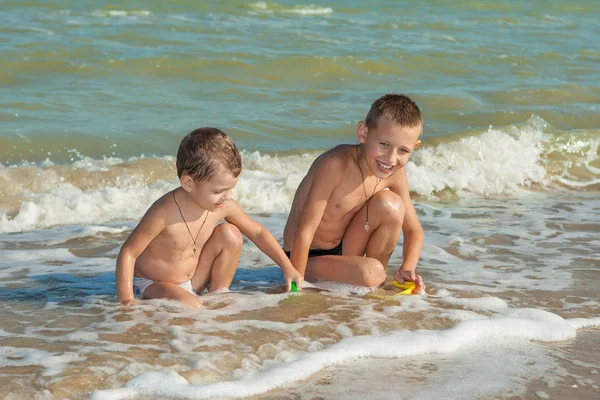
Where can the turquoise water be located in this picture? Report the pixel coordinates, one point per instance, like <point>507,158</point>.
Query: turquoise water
<point>130,80</point>
<point>96,97</point>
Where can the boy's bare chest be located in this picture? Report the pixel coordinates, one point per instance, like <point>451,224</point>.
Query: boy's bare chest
<point>348,199</point>
<point>182,235</point>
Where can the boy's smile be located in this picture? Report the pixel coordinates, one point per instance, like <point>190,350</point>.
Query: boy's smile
<point>387,147</point>
<point>384,168</point>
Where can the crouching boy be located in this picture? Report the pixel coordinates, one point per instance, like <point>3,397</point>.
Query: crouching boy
<point>178,249</point>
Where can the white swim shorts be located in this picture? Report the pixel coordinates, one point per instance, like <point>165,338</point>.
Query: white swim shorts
<point>141,284</point>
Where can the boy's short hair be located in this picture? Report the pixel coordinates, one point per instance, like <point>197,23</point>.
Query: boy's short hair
<point>397,108</point>
<point>203,150</point>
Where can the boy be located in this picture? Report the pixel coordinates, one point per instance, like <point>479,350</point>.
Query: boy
<point>177,249</point>
<point>341,211</point>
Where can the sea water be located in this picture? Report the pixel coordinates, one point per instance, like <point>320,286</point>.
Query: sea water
<point>96,97</point>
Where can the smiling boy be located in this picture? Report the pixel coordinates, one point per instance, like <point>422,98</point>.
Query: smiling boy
<point>344,225</point>
<point>179,248</point>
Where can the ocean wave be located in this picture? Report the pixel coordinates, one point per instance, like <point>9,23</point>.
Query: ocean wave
<point>121,13</point>
<point>499,161</point>
<point>271,8</point>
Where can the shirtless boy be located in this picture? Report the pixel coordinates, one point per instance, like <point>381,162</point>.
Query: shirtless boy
<point>178,249</point>
<point>343,225</point>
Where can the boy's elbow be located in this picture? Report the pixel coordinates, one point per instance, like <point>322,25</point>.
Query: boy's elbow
<point>125,261</point>
<point>127,252</point>
<point>258,234</point>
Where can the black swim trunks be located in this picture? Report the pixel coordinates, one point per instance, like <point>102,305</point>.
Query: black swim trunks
<point>336,251</point>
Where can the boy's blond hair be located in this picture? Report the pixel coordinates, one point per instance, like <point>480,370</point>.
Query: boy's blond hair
<point>203,150</point>
<point>397,108</point>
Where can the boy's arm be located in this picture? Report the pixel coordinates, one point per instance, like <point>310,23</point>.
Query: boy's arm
<point>412,230</point>
<point>150,226</point>
<point>326,177</point>
<point>263,239</point>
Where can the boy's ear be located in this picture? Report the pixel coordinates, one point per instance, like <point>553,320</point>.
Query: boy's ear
<point>417,144</point>
<point>186,182</point>
<point>361,132</point>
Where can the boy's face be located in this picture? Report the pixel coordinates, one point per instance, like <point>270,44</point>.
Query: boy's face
<point>212,193</point>
<point>388,147</point>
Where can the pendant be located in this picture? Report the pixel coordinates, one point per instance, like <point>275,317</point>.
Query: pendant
<point>367,226</point>
<point>194,249</point>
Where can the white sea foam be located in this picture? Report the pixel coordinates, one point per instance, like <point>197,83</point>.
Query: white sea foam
<point>264,7</point>
<point>494,162</point>
<point>67,204</point>
<point>54,364</point>
<point>395,345</point>
<point>261,5</point>
<point>310,10</point>
<point>41,264</point>
<point>491,373</point>
<point>121,13</point>
<point>482,303</point>
<point>499,161</point>
<point>579,323</point>
<point>460,315</point>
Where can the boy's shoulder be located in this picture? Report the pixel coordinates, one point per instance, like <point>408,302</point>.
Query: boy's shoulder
<point>162,207</point>
<point>164,201</point>
<point>337,157</point>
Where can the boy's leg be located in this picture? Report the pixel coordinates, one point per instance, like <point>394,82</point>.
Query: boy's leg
<point>359,271</point>
<point>172,291</point>
<point>386,215</point>
<point>219,259</point>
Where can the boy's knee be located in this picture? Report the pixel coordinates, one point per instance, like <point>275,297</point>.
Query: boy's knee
<point>373,272</point>
<point>230,235</point>
<point>389,205</point>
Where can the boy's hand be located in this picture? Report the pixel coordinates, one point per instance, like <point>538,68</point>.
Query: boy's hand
<point>128,302</point>
<point>403,276</point>
<point>292,275</point>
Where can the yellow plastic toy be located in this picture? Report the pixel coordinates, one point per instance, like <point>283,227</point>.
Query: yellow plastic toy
<point>406,288</point>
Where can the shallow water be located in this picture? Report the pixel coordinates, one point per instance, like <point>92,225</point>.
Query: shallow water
<point>513,283</point>
<point>97,97</point>
<point>103,80</point>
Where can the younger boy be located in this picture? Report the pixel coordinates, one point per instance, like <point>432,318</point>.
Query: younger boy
<point>341,211</point>
<point>177,249</point>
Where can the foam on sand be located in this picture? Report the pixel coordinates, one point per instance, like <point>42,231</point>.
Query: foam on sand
<point>399,345</point>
